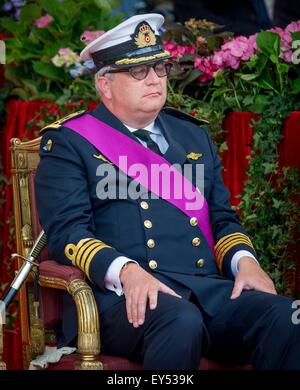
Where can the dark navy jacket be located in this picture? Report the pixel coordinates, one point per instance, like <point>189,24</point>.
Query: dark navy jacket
<point>96,231</point>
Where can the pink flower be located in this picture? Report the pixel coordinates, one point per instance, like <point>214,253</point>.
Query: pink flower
<point>230,60</point>
<point>169,45</point>
<point>239,47</point>
<point>89,36</point>
<point>178,51</point>
<point>190,50</point>
<point>218,59</point>
<point>285,35</point>
<point>181,50</point>
<point>286,40</point>
<point>293,26</point>
<point>44,21</point>
<point>287,56</point>
<point>234,51</point>
<point>207,67</point>
<point>64,51</point>
<point>252,43</point>
<point>65,57</point>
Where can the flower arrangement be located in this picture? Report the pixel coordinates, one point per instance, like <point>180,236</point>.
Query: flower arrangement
<point>43,53</point>
<point>243,72</point>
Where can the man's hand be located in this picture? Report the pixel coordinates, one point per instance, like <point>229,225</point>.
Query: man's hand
<point>138,286</point>
<point>251,277</point>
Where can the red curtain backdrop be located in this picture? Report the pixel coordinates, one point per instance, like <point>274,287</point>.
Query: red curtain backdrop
<point>18,114</point>
<point>289,152</point>
<point>239,136</point>
<point>239,140</point>
<point>237,126</point>
<point>289,156</point>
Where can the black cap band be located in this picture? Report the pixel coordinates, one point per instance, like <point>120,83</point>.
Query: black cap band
<point>111,55</point>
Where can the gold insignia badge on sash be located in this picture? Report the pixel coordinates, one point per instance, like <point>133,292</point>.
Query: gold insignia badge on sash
<point>145,36</point>
<point>48,146</point>
<point>58,123</point>
<point>101,157</point>
<point>194,156</point>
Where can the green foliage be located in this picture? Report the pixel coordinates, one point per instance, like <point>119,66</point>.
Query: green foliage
<point>30,49</point>
<point>269,204</point>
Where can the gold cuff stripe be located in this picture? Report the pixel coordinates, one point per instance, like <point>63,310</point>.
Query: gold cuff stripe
<point>228,237</point>
<point>224,240</point>
<point>231,244</point>
<point>235,239</point>
<point>83,253</point>
<point>86,255</point>
<point>127,61</point>
<point>71,249</point>
<point>80,259</point>
<point>84,248</point>
<point>90,258</point>
<point>220,256</point>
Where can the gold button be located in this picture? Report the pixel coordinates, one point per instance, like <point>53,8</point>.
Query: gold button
<point>196,241</point>
<point>144,205</point>
<point>148,224</point>
<point>151,243</point>
<point>194,221</point>
<point>200,263</point>
<point>152,264</point>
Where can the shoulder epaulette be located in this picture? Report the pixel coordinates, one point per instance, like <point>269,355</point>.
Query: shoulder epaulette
<point>59,122</point>
<point>183,115</point>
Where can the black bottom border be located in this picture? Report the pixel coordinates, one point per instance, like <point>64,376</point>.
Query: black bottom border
<point>144,379</point>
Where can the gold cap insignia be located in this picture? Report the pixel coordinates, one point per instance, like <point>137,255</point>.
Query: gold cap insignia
<point>194,156</point>
<point>48,146</point>
<point>101,157</point>
<point>145,36</point>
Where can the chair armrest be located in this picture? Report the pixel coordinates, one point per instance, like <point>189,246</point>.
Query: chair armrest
<point>71,279</point>
<point>51,268</point>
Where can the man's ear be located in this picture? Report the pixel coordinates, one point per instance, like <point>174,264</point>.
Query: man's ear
<point>104,87</point>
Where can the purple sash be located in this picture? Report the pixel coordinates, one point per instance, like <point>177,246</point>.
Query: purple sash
<point>125,153</point>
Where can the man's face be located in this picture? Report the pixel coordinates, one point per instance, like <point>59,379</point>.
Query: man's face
<point>132,100</point>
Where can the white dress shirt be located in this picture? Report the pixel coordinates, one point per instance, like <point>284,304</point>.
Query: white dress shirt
<point>112,279</point>
<point>155,134</point>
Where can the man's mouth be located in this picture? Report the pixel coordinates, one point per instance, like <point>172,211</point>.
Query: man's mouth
<point>152,94</point>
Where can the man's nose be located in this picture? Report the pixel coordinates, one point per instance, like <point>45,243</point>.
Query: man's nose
<point>152,77</point>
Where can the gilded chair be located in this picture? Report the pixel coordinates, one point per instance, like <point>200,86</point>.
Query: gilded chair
<point>52,277</point>
<point>54,280</point>
<point>2,364</point>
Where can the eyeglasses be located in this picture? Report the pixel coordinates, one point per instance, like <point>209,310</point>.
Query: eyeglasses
<point>140,72</point>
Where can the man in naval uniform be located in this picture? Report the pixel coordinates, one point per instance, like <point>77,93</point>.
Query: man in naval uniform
<point>173,279</point>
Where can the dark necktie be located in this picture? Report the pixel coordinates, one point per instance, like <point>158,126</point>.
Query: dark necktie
<point>144,135</point>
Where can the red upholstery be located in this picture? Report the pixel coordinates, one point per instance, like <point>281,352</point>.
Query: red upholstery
<point>117,363</point>
<point>52,269</point>
<point>50,299</point>
<point>51,308</point>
